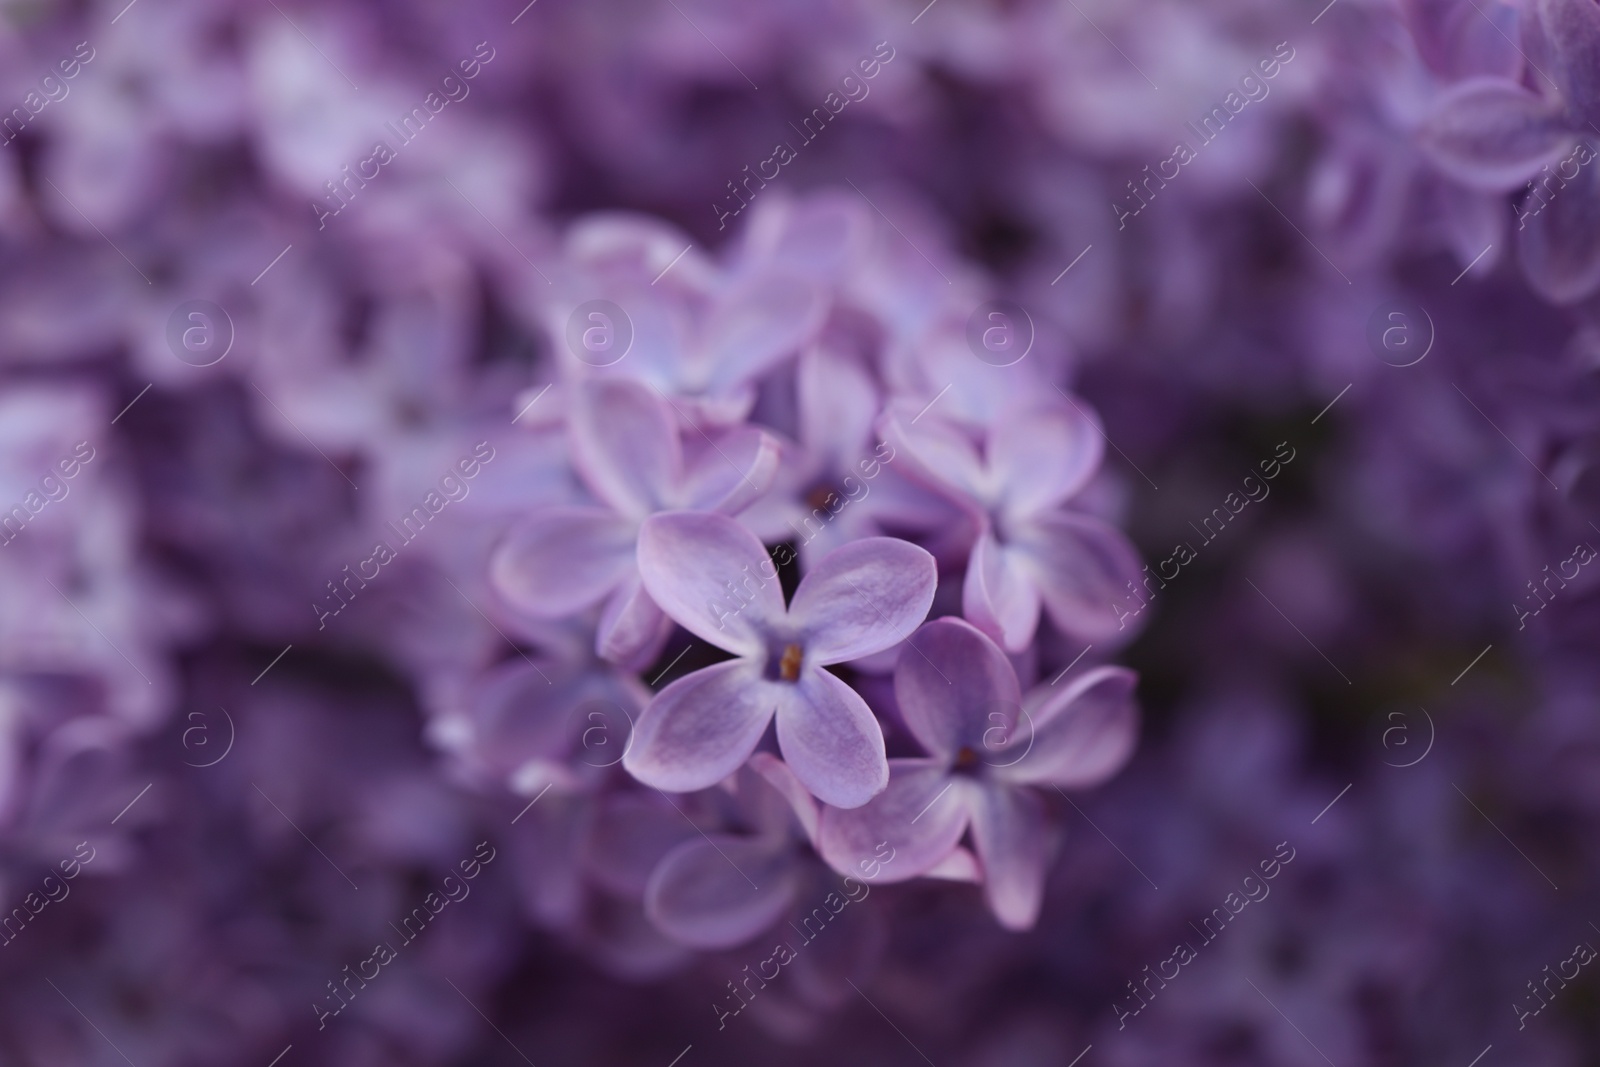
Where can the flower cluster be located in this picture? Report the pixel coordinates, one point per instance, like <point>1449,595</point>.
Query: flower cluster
<point>823,417</point>
<point>771,470</point>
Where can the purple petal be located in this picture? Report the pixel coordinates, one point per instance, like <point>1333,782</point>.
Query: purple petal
<point>780,777</point>
<point>862,598</point>
<point>959,866</point>
<point>733,472</point>
<point>1493,134</point>
<point>764,320</point>
<point>1008,829</point>
<point>935,452</point>
<point>999,594</point>
<point>632,628</point>
<point>712,577</point>
<point>721,891</point>
<point>830,739</point>
<point>630,835</point>
<point>905,831</point>
<point>838,405</point>
<point>949,682</point>
<point>1043,456</point>
<point>625,444</point>
<point>1572,28</point>
<point>699,729</point>
<point>1082,568</point>
<point>1081,734</point>
<point>815,236</point>
<point>1459,38</point>
<point>544,849</point>
<point>1559,235</point>
<point>563,560</point>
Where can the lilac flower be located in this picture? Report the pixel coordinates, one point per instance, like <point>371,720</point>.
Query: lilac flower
<point>700,892</point>
<point>702,335</point>
<point>1491,133</point>
<point>859,599</point>
<point>1030,551</point>
<point>835,485</point>
<point>960,699</point>
<point>626,448</point>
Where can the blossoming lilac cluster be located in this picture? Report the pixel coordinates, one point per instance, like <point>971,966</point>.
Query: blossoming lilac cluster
<point>785,399</point>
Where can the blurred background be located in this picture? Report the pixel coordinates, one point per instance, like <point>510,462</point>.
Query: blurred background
<point>270,269</point>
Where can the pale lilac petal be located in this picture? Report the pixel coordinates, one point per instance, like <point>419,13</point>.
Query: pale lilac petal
<point>1008,829</point>
<point>563,560</point>
<point>830,739</point>
<point>780,777</point>
<point>1559,238</point>
<point>712,577</point>
<point>838,406</point>
<point>699,729</point>
<point>1493,134</point>
<point>903,832</point>
<point>1572,28</point>
<point>1459,38</point>
<point>632,628</point>
<point>765,319</point>
<point>999,594</point>
<point>863,597</point>
<point>816,236</point>
<point>625,445</point>
<point>935,452</point>
<point>948,683</point>
<point>544,848</point>
<point>630,835</point>
<point>1078,735</point>
<point>1082,568</point>
<point>721,891</point>
<point>959,866</point>
<point>734,470</point>
<point>1042,456</point>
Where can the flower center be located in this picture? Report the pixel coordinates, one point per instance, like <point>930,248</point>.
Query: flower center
<point>789,665</point>
<point>817,498</point>
<point>966,758</point>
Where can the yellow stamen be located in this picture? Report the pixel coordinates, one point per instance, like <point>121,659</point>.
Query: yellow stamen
<point>789,665</point>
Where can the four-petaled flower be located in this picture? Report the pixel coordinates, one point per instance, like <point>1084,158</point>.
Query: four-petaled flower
<point>716,580</point>
<point>625,445</point>
<point>970,715</point>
